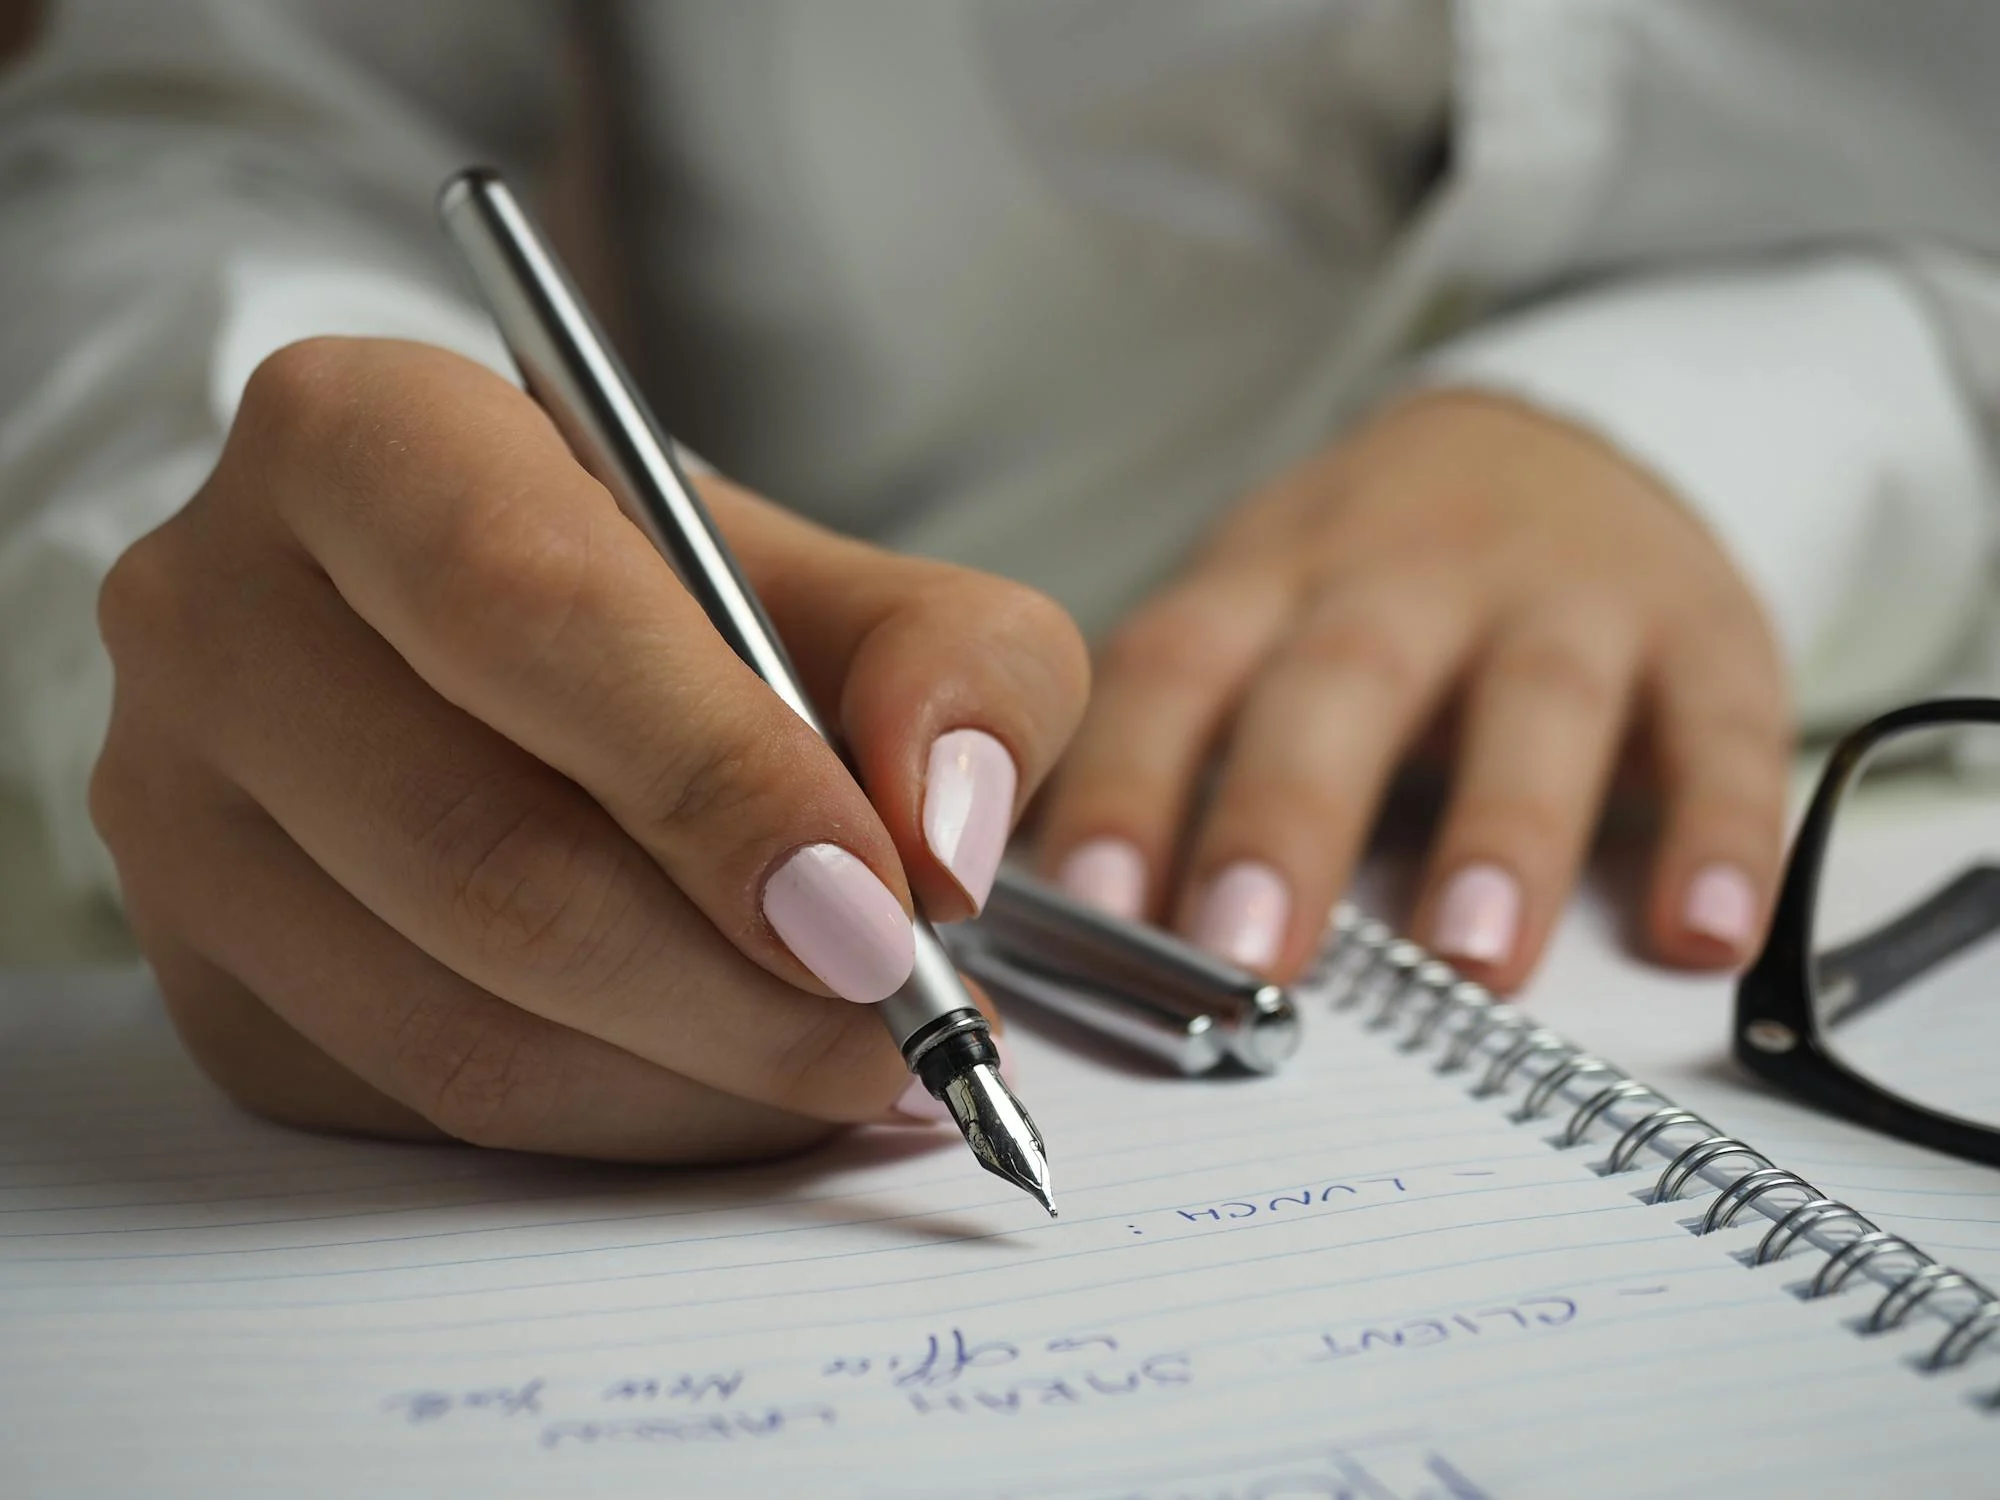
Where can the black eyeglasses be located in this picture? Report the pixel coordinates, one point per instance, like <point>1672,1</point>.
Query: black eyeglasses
<point>1877,995</point>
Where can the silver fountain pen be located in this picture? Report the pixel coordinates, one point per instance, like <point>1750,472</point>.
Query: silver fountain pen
<point>570,369</point>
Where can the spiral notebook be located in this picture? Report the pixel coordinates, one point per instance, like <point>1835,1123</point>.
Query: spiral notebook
<point>1445,1255</point>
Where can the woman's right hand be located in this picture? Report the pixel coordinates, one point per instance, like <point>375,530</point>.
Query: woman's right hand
<point>440,808</point>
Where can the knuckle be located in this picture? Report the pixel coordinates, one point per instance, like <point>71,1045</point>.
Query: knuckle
<point>141,600</point>
<point>1172,641</point>
<point>236,1039</point>
<point>201,1018</point>
<point>1532,830</point>
<point>481,1079</point>
<point>1725,606</point>
<point>295,391</point>
<point>539,893</point>
<point>811,1071</point>
<point>1755,730</point>
<point>502,583</point>
<point>1741,740</point>
<point>322,417</point>
<point>1031,618</point>
<point>1730,817</point>
<point>1735,792</point>
<point>1556,674</point>
<point>1314,807</point>
<point>1028,614</point>
<point>1275,810</point>
<point>113,799</point>
<point>146,797</point>
<point>711,780</point>
<point>1360,646</point>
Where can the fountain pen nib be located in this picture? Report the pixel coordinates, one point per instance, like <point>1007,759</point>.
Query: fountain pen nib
<point>999,1131</point>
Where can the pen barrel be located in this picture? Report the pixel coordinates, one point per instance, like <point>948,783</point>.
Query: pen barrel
<point>932,994</point>
<point>569,367</point>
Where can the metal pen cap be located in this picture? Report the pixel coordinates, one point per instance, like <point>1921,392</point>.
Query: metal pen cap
<point>1133,983</point>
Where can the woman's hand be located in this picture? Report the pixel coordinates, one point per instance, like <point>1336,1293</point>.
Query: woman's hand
<point>1458,551</point>
<point>441,808</point>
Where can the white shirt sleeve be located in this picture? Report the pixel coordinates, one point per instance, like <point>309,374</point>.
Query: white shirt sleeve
<point>151,254</point>
<point>1811,415</point>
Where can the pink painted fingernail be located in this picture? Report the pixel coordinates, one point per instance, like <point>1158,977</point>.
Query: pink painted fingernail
<point>1107,873</point>
<point>841,922</point>
<point>1479,916</point>
<point>1244,914</point>
<point>1722,904</point>
<point>969,807</point>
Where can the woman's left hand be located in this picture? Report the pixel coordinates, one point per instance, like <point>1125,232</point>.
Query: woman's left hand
<point>1459,550</point>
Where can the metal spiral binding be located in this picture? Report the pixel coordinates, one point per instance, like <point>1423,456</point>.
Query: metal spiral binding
<point>1387,970</point>
<point>1428,975</point>
<point>1494,1017</point>
<point>1686,1167</point>
<point>1901,1300</point>
<point>1745,1191</point>
<point>1843,1263</point>
<point>1396,976</point>
<point>1967,1334</point>
<point>1588,1111</point>
<point>1643,1129</point>
<point>1774,1244</point>
<point>1462,996</point>
<point>1536,1041</point>
<point>1350,958</point>
<point>1550,1084</point>
<point>1364,966</point>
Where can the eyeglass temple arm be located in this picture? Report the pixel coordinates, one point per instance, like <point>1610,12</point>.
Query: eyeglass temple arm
<point>1866,971</point>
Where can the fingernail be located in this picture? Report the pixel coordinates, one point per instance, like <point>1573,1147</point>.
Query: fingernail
<point>969,807</point>
<point>1107,873</point>
<point>841,922</point>
<point>1722,904</point>
<point>1243,916</point>
<point>1479,915</point>
<point>916,1106</point>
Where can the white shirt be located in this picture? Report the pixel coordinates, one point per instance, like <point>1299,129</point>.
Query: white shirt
<point>1044,285</point>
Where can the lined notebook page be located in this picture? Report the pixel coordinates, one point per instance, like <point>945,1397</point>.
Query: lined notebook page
<point>1349,1280</point>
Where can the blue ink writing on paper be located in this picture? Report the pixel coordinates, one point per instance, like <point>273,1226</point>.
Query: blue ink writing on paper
<point>943,1358</point>
<point>1426,1332</point>
<point>1071,1389</point>
<point>419,1407</point>
<point>1305,1197</point>
<point>1074,1345</point>
<point>680,1387</point>
<point>708,1427</point>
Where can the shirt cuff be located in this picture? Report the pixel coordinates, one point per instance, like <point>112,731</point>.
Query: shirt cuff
<point>120,433</point>
<point>1809,415</point>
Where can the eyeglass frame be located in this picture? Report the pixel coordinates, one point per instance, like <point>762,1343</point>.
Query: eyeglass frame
<point>1777,1033</point>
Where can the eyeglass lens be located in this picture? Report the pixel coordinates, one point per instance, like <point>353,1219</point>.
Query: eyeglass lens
<point>1906,929</point>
